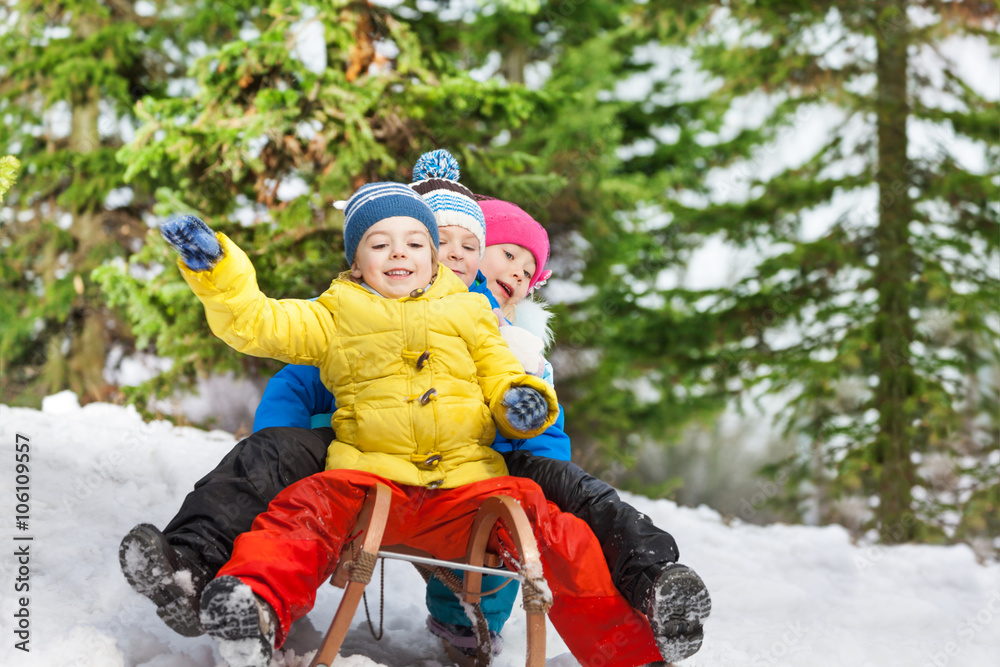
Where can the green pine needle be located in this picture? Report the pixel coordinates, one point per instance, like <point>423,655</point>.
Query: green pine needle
<point>9,166</point>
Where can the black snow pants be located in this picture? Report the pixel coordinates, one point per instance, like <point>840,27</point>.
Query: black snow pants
<point>225,502</point>
<point>634,548</point>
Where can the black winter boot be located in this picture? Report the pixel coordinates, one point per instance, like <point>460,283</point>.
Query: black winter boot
<point>242,623</point>
<point>678,604</point>
<point>155,569</point>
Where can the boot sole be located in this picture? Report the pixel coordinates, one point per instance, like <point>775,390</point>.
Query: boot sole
<point>682,603</point>
<point>230,615</point>
<point>150,573</point>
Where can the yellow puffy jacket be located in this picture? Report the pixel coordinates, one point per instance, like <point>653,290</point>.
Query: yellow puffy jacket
<point>418,381</point>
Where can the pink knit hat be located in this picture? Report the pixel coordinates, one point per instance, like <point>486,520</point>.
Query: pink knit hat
<point>507,223</point>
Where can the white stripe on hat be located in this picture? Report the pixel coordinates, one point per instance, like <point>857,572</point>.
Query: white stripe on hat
<point>378,192</point>
<point>443,200</point>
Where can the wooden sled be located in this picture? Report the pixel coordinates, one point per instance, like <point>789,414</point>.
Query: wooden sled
<point>359,557</point>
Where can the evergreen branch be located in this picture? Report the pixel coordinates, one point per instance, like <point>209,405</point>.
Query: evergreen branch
<point>291,237</point>
<point>9,166</point>
<point>965,14</point>
<point>126,10</point>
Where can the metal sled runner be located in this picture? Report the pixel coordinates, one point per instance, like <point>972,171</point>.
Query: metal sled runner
<point>359,557</point>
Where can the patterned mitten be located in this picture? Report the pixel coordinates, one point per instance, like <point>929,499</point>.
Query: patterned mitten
<point>526,408</point>
<point>193,239</point>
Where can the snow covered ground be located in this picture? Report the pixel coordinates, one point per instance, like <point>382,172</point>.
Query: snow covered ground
<point>783,595</point>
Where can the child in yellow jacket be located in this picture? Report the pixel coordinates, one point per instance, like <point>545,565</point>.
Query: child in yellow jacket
<point>415,362</point>
<point>418,369</point>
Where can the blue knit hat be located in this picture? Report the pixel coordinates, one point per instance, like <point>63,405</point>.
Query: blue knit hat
<point>375,202</point>
<point>435,177</point>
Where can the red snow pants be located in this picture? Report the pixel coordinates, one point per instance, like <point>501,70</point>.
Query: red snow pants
<point>293,548</point>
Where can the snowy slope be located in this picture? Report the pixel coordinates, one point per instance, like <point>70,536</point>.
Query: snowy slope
<point>784,595</point>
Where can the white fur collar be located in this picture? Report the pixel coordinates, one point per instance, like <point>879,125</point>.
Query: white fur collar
<point>534,316</point>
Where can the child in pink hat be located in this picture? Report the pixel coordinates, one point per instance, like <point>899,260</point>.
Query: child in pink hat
<point>517,248</point>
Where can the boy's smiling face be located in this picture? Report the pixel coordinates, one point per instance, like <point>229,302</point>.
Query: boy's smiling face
<point>394,257</point>
<point>508,268</point>
<point>459,251</point>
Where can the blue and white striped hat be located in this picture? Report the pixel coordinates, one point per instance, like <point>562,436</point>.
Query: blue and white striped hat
<point>435,177</point>
<point>374,202</point>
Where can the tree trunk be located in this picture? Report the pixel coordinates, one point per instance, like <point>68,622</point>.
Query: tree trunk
<point>81,367</point>
<point>893,325</point>
<point>512,66</point>
<point>86,230</point>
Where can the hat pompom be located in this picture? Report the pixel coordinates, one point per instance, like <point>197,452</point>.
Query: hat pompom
<point>436,164</point>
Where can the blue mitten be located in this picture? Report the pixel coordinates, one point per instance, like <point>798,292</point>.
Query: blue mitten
<point>193,239</point>
<point>526,408</point>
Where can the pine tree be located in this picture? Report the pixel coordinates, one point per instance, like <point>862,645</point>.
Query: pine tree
<point>876,326</point>
<point>70,74</point>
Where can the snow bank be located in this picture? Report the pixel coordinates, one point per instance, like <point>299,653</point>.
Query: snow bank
<point>783,595</point>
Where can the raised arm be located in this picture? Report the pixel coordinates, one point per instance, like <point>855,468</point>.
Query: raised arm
<point>223,278</point>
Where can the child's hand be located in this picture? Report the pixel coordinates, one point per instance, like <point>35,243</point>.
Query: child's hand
<point>193,239</point>
<point>527,347</point>
<point>526,408</point>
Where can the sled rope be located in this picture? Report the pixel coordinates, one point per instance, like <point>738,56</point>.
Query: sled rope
<point>381,607</point>
<point>454,582</point>
<point>361,567</point>
<point>533,598</point>
<point>484,645</point>
<point>360,570</point>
